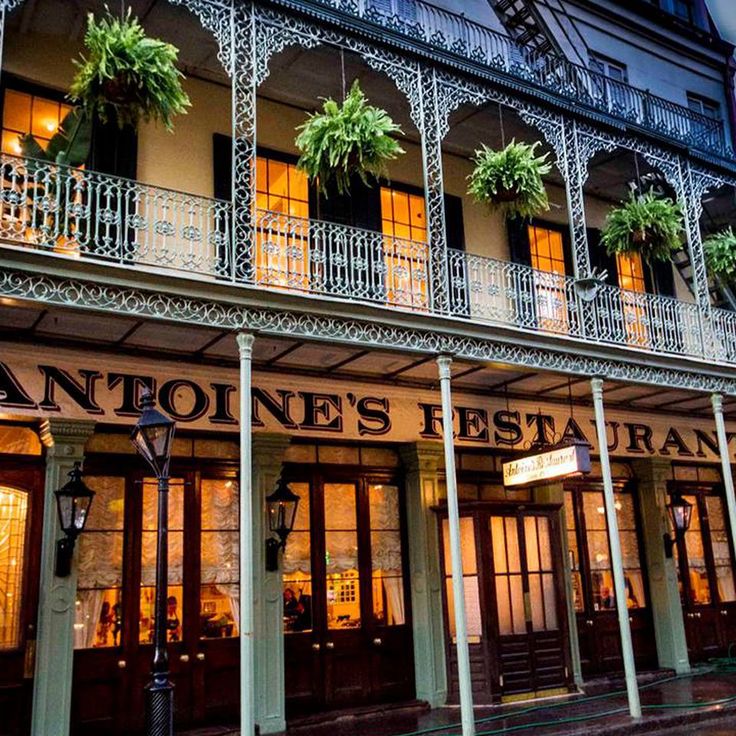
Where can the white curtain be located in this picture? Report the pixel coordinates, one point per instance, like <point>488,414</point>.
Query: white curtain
<point>87,618</point>
<point>394,601</point>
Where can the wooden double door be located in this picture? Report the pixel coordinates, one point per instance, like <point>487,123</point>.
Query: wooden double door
<point>705,570</point>
<point>592,580</point>
<point>347,619</point>
<point>113,631</point>
<point>514,599</point>
<point>21,515</point>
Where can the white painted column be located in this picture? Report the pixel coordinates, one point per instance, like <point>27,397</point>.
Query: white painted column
<point>617,565</point>
<point>52,682</point>
<point>247,714</point>
<point>717,401</point>
<point>458,588</point>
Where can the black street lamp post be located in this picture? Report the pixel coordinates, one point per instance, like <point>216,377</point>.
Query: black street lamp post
<point>153,436</point>
<point>680,512</point>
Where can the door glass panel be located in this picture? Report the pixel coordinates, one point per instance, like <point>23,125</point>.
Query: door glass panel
<point>341,556</point>
<point>633,574</point>
<point>542,598</point>
<point>297,567</point>
<point>219,602</point>
<point>386,563</point>
<point>700,593</point>
<point>596,532</point>
<point>13,514</point>
<point>721,549</point>
<point>508,583</point>
<point>175,614</point>
<point>98,614</point>
<point>470,579</point>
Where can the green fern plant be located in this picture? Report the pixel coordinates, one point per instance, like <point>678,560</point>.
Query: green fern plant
<point>510,180</point>
<point>720,253</point>
<point>345,140</point>
<point>127,76</point>
<point>648,224</point>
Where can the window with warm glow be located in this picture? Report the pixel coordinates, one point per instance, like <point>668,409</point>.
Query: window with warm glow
<point>26,113</point>
<point>631,278</point>
<point>282,243</point>
<point>548,258</point>
<point>13,514</point>
<point>404,223</point>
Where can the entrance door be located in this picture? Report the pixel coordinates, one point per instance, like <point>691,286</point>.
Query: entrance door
<point>346,619</point>
<point>116,592</point>
<point>706,577</point>
<point>527,589</point>
<point>21,510</point>
<point>514,597</point>
<point>592,581</point>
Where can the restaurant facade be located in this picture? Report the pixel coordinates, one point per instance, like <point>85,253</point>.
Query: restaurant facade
<point>456,414</point>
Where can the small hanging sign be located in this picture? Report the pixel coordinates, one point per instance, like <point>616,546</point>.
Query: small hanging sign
<point>562,461</point>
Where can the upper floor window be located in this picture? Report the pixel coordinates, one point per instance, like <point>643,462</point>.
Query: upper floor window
<point>546,249</point>
<point>608,67</point>
<point>25,113</point>
<point>683,9</point>
<point>402,215</point>
<point>709,108</point>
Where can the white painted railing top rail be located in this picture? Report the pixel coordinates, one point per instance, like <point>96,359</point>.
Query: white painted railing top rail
<point>87,215</point>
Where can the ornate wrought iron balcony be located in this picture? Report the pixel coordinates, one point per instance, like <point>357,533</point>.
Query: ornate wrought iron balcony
<point>91,216</point>
<point>454,34</point>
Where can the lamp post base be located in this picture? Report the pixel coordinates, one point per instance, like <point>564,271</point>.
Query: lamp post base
<point>159,708</point>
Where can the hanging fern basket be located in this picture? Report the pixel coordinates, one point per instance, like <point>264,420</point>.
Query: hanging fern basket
<point>347,140</point>
<point>125,76</point>
<point>720,254</point>
<point>647,224</point>
<point>510,180</point>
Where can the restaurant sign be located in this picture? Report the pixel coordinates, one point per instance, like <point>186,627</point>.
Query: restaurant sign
<point>558,462</point>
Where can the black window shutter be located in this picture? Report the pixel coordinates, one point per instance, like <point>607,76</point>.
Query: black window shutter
<point>114,151</point>
<point>222,152</point>
<point>599,258</point>
<point>360,207</point>
<point>454,228</point>
<point>664,278</point>
<point>518,232</point>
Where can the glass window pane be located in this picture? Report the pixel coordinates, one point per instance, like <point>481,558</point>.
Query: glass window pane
<point>297,567</point>
<point>472,608</point>
<point>532,543</point>
<point>384,506</point>
<point>98,604</point>
<point>498,538</point>
<point>536,602</point>
<point>388,600</point>
<point>700,592</point>
<point>45,121</point>
<point>340,509</point>
<point>219,613</point>
<point>219,504</point>
<point>550,601</point>
<point>517,604</point>
<point>13,515</point>
<point>17,111</point>
<point>174,614</point>
<point>467,546</point>
<point>512,545</point>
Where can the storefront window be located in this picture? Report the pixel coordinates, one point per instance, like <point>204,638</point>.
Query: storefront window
<point>388,583</point>
<point>699,585</point>
<point>174,600</point>
<point>540,572</point>
<point>297,567</point>
<point>574,554</point>
<point>470,579</point>
<point>721,549</point>
<point>341,556</point>
<point>595,534</point>
<point>98,617</point>
<point>13,514</point>
<point>508,578</point>
<point>219,603</point>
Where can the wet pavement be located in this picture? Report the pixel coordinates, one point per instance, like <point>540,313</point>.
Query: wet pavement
<point>699,704</point>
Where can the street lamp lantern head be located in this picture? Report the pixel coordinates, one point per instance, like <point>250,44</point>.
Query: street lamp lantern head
<point>681,514</point>
<point>153,436</point>
<point>282,505</point>
<point>73,501</point>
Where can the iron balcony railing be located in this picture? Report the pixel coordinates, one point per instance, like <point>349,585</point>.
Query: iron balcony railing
<point>87,215</point>
<point>455,34</point>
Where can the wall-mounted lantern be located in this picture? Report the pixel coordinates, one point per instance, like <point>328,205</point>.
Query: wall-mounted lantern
<point>73,501</point>
<point>281,506</point>
<point>681,514</point>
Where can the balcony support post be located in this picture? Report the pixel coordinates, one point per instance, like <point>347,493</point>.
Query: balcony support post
<point>717,402</point>
<point>444,363</point>
<point>617,565</point>
<point>243,74</point>
<point>432,130</point>
<point>247,671</point>
<point>575,172</point>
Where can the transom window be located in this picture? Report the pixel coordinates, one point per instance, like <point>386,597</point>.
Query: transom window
<point>25,113</point>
